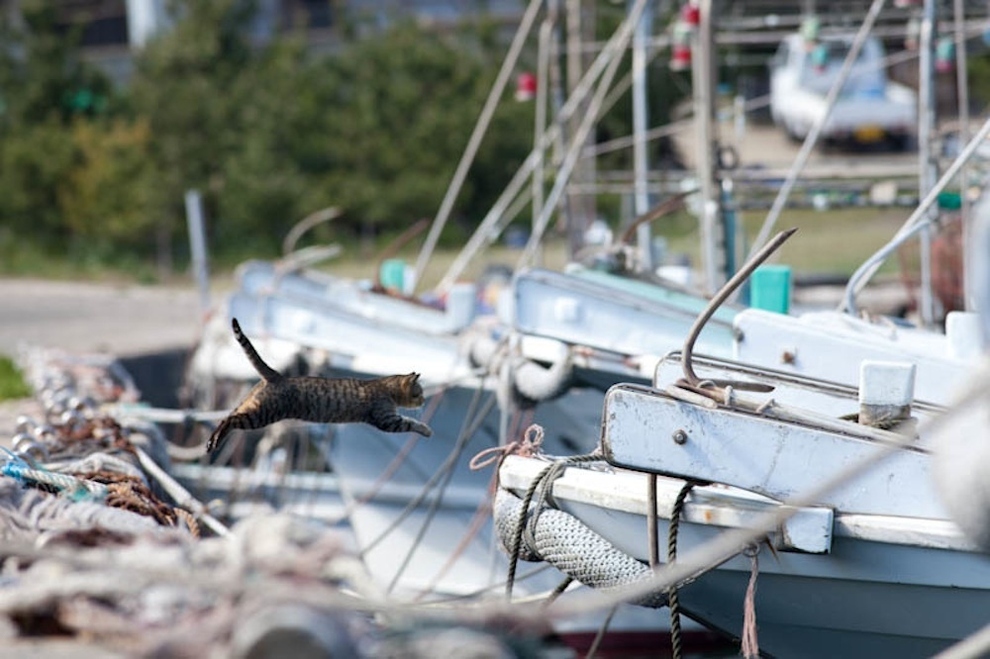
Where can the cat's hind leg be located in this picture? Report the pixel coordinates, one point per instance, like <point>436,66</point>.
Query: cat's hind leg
<point>233,421</point>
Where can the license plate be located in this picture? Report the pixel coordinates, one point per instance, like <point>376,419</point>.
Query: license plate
<point>868,134</point>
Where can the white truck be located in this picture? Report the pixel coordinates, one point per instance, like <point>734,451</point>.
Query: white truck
<point>870,109</point>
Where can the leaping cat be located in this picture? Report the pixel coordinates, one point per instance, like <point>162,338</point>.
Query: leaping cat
<point>321,400</point>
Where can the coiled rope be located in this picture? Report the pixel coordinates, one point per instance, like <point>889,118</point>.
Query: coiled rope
<point>550,473</point>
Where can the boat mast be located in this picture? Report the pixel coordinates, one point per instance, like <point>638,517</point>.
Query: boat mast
<point>543,50</point>
<point>962,95</point>
<point>702,80</point>
<point>474,142</point>
<point>928,167</point>
<point>640,117</point>
<point>580,205</point>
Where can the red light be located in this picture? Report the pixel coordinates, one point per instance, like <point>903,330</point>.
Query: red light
<point>680,57</point>
<point>525,87</point>
<point>690,14</point>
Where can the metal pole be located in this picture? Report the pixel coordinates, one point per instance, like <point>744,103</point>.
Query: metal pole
<point>640,117</point>
<point>613,54</point>
<point>197,247</point>
<point>703,85</point>
<point>872,264</point>
<point>962,94</point>
<point>540,119</point>
<point>927,167</point>
<point>580,206</point>
<point>488,227</point>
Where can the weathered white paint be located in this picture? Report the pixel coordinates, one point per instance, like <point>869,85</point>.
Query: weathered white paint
<point>809,530</point>
<point>832,345</point>
<point>775,458</point>
<point>886,383</point>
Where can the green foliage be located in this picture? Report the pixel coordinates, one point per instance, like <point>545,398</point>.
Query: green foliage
<point>182,86</point>
<point>978,69</point>
<point>44,88</point>
<point>102,197</point>
<point>12,384</point>
<point>33,162</point>
<point>396,113</point>
<point>267,132</point>
<point>42,77</point>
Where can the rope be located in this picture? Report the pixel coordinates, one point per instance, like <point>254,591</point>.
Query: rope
<point>520,523</point>
<point>673,602</point>
<point>400,457</point>
<point>548,474</point>
<point>558,591</point>
<point>527,447</point>
<point>189,520</point>
<point>18,469</point>
<point>428,485</point>
<point>593,650</point>
<point>750,646</point>
<point>481,514</point>
<point>448,474</point>
<point>137,498</point>
<point>448,464</point>
<point>179,494</point>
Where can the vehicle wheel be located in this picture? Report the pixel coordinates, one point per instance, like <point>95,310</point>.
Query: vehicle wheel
<point>792,133</point>
<point>902,142</point>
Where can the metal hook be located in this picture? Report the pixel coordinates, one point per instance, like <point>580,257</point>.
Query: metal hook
<point>728,289</point>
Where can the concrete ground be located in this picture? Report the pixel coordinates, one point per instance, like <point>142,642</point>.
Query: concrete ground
<point>122,320</point>
<point>767,147</point>
<point>92,317</point>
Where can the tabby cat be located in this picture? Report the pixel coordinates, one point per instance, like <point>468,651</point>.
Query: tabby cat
<point>322,400</point>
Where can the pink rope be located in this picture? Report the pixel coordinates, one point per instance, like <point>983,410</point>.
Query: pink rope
<point>528,446</point>
<point>750,645</point>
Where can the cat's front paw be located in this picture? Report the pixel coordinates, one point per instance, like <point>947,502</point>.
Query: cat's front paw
<point>423,429</point>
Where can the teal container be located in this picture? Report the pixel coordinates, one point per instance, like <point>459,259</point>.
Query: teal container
<point>393,274</point>
<point>770,288</point>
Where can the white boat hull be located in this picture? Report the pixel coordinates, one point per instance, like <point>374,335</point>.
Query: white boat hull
<point>887,587</point>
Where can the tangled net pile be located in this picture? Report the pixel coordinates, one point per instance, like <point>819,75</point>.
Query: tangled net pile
<point>95,551</point>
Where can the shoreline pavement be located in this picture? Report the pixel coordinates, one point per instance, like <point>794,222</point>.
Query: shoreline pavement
<point>86,317</point>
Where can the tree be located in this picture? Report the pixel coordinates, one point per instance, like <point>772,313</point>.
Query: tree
<point>396,114</point>
<point>270,133</point>
<point>182,87</point>
<point>44,88</point>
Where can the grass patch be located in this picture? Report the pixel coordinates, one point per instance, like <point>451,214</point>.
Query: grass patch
<point>833,242</point>
<point>12,383</point>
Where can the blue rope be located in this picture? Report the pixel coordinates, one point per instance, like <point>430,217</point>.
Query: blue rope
<point>15,467</point>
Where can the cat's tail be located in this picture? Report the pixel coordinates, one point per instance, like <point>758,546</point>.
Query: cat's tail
<point>264,370</point>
